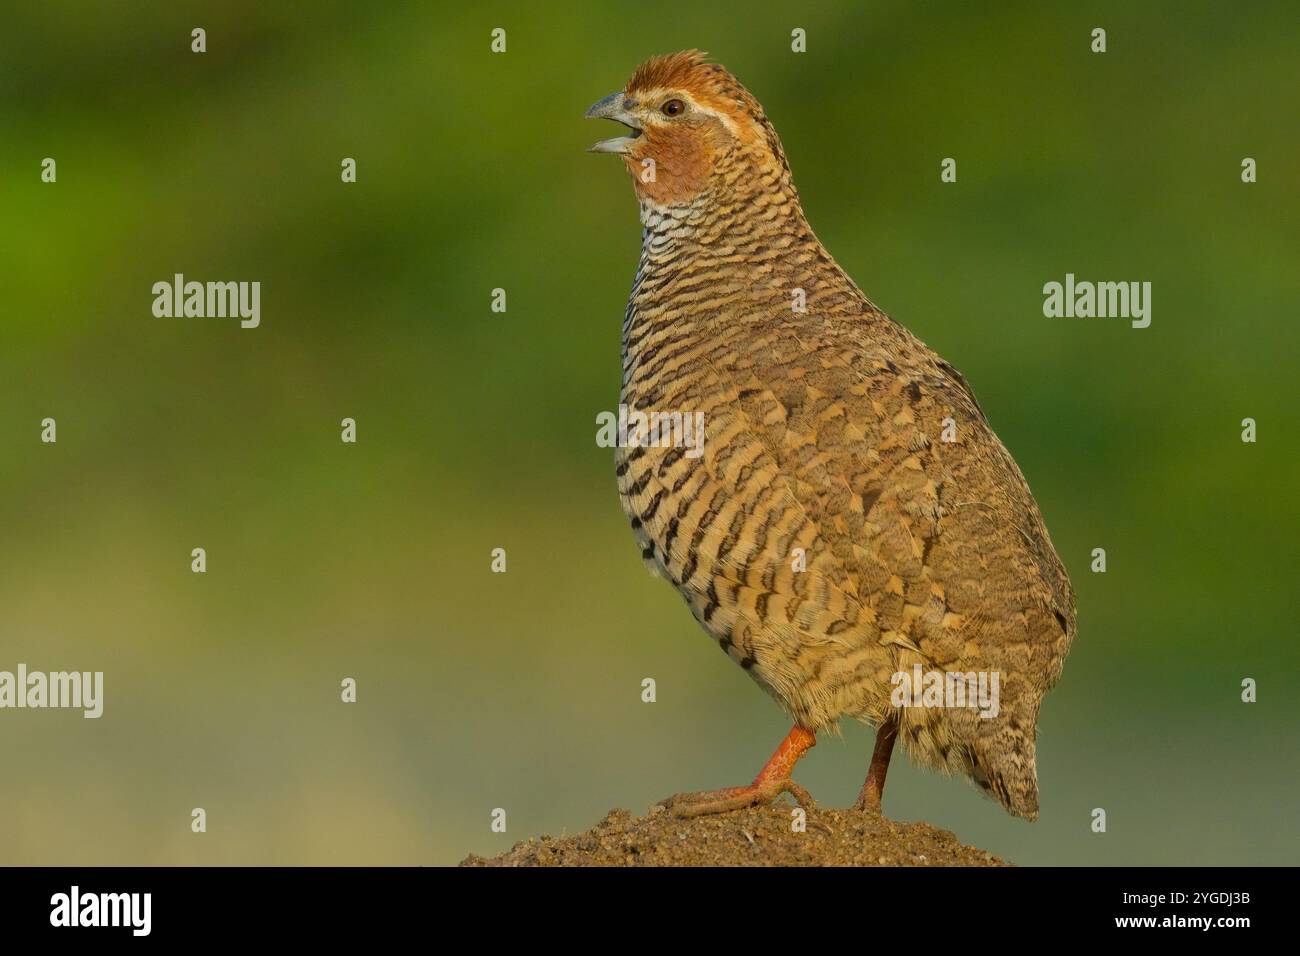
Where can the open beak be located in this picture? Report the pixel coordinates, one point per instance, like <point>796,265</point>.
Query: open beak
<point>611,108</point>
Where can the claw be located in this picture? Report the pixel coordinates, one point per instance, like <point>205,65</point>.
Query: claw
<point>772,781</point>
<point>686,805</point>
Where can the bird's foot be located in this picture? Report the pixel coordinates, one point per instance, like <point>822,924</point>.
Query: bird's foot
<point>868,802</point>
<point>757,794</point>
<point>772,781</point>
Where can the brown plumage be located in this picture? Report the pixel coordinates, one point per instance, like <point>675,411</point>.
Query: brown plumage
<point>831,434</point>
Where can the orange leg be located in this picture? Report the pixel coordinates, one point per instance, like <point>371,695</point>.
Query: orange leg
<point>874,787</point>
<point>772,781</point>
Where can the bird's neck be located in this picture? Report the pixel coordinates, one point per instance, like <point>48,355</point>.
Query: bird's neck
<point>747,185</point>
<point>742,249</point>
<point>747,222</point>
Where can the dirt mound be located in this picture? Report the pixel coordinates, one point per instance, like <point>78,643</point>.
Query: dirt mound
<point>761,836</point>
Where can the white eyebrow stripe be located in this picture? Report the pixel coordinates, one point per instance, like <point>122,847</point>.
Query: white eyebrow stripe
<point>657,92</point>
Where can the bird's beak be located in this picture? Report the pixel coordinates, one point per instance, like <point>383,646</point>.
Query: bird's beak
<point>611,108</point>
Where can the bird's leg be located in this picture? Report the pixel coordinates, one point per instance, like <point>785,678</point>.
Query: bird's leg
<point>772,781</point>
<point>874,787</point>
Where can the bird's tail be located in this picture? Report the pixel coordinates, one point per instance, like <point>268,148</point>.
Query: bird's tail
<point>1005,769</point>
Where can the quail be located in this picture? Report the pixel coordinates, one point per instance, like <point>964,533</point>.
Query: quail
<point>848,517</point>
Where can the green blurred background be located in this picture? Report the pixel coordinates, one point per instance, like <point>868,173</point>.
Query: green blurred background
<point>476,430</point>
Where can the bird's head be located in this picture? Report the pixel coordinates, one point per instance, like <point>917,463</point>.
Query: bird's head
<point>690,122</point>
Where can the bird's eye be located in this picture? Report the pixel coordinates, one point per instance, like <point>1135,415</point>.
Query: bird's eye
<point>672,108</point>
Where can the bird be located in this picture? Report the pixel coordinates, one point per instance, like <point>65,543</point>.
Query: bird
<point>847,515</point>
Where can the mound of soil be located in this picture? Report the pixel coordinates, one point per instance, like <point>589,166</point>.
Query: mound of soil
<point>761,836</point>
